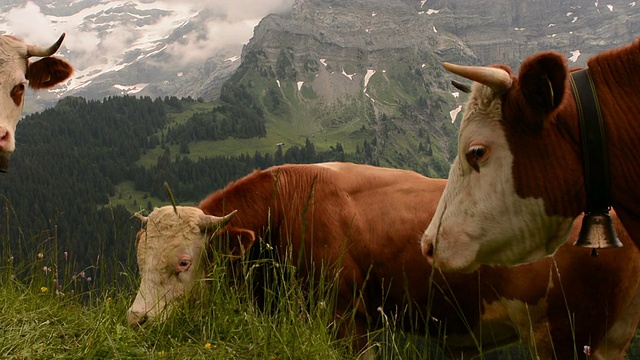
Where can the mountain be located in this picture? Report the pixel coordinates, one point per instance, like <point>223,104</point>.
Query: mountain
<point>507,31</point>
<point>190,48</point>
<point>148,48</point>
<point>356,80</point>
<point>351,72</point>
<point>358,70</point>
<point>357,74</point>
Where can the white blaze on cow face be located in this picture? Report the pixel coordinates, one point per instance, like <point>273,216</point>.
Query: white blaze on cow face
<point>13,54</point>
<point>480,219</point>
<point>15,70</point>
<point>170,252</point>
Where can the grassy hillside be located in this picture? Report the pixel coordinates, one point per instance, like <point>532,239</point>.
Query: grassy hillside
<point>49,311</point>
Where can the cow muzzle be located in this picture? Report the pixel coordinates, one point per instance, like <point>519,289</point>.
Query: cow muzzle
<point>427,251</point>
<point>136,319</point>
<point>4,162</point>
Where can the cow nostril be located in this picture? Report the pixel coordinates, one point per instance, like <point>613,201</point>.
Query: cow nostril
<point>427,251</point>
<point>136,320</point>
<point>4,134</point>
<point>5,140</point>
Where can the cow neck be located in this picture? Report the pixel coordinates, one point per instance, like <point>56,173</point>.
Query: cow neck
<point>597,227</point>
<point>257,200</point>
<point>250,196</point>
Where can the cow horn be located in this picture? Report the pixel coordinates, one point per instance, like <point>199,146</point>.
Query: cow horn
<point>143,219</point>
<point>34,50</point>
<point>210,221</point>
<point>465,88</point>
<point>497,79</point>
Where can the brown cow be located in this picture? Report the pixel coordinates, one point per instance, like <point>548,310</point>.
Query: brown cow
<point>517,183</point>
<point>368,221</point>
<point>15,70</point>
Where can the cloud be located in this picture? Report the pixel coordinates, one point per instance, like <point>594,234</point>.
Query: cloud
<point>97,39</point>
<point>29,23</point>
<point>238,10</point>
<point>200,45</point>
<point>235,21</point>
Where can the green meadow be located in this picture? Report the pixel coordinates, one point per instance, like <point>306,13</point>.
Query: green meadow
<point>49,309</point>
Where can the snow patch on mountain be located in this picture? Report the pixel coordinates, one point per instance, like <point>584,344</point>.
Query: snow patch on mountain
<point>125,43</point>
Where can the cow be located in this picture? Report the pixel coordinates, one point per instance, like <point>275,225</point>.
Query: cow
<point>517,183</point>
<point>364,224</point>
<point>15,72</point>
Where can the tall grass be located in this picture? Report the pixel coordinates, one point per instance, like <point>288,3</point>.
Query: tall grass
<point>49,309</point>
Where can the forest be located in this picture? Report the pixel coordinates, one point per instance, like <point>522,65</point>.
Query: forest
<point>70,159</point>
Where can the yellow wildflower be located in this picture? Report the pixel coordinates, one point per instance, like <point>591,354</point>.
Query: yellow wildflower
<point>207,346</point>
<point>44,289</point>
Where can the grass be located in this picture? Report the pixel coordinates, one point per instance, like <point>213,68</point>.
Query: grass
<point>134,200</point>
<point>58,314</point>
<point>50,310</point>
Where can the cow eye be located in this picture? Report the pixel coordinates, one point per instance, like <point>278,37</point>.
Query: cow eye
<point>183,265</point>
<point>475,155</point>
<point>477,151</point>
<point>17,93</point>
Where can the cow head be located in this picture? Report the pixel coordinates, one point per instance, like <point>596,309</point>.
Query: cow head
<point>15,72</point>
<point>171,249</point>
<point>502,203</point>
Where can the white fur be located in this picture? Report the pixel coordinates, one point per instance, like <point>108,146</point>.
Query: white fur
<point>12,72</point>
<point>168,237</point>
<point>480,219</point>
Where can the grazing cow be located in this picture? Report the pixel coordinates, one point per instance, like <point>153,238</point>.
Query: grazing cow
<point>15,71</point>
<point>517,183</point>
<point>368,222</point>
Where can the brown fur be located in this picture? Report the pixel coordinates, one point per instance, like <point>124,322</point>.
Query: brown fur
<point>369,221</point>
<point>48,72</point>
<point>547,155</point>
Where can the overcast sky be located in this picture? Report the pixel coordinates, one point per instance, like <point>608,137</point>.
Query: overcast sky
<point>235,20</point>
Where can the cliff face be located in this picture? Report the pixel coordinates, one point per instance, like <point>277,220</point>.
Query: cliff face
<point>507,31</point>
<point>490,31</point>
<point>350,71</point>
<point>354,70</point>
<point>358,33</point>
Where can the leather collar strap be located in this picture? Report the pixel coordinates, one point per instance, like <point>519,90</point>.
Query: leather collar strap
<point>595,157</point>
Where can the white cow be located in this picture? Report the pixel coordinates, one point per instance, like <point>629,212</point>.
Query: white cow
<point>153,257</point>
<point>15,72</point>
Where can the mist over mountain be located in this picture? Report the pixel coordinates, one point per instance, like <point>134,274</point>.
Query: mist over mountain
<point>155,48</point>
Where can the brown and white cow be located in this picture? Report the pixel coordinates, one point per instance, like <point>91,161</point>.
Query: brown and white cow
<point>15,72</point>
<point>517,183</point>
<point>368,221</point>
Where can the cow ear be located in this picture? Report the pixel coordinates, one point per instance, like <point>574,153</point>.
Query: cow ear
<point>240,241</point>
<point>542,81</point>
<point>48,72</point>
